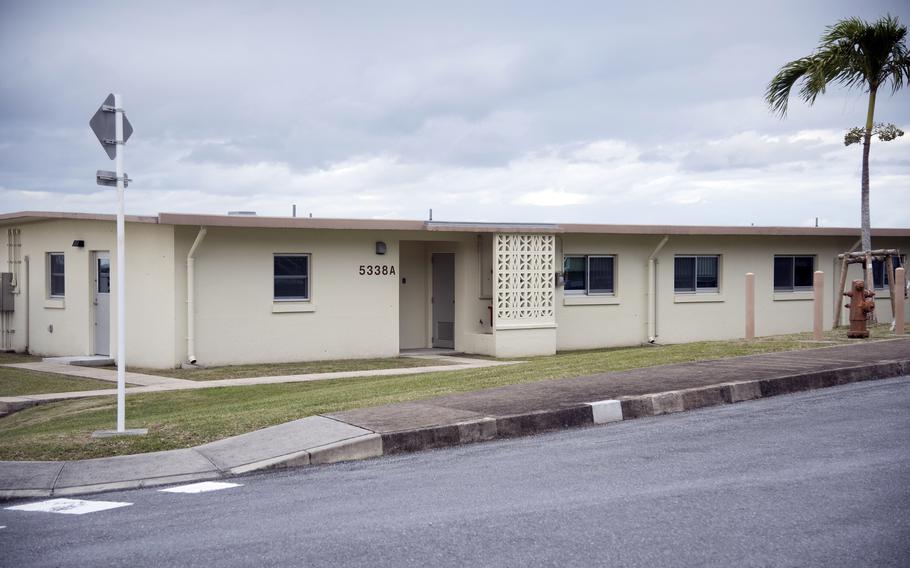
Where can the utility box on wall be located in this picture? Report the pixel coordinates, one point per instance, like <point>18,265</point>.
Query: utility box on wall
<point>6,291</point>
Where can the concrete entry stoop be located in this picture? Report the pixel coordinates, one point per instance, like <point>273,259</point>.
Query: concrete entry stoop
<point>422,351</point>
<point>82,361</point>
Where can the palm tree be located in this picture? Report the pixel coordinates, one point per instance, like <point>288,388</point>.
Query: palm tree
<point>852,53</point>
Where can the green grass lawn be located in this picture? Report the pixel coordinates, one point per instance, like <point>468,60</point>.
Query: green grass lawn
<point>182,419</point>
<point>301,368</point>
<point>16,382</point>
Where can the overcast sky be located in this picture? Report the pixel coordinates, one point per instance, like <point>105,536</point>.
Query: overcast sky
<point>603,112</point>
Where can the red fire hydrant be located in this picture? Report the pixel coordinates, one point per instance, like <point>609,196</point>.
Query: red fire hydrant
<point>860,305</point>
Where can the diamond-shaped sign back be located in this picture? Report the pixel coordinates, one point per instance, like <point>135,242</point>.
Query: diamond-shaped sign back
<point>104,126</point>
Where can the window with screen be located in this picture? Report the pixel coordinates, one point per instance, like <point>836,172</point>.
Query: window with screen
<point>793,273</point>
<point>696,274</point>
<point>590,274</point>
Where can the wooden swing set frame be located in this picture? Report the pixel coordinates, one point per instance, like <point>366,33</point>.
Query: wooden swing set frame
<point>865,258</point>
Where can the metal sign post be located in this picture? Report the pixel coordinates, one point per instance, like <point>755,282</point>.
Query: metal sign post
<point>113,135</point>
<point>121,268</point>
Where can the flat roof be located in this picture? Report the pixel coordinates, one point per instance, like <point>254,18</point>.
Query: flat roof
<point>20,217</point>
<point>257,221</point>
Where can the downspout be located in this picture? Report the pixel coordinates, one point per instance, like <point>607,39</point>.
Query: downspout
<point>651,307</point>
<point>28,282</point>
<point>190,297</point>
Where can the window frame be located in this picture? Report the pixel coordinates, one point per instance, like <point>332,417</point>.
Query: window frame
<point>696,288</point>
<point>587,290</point>
<point>793,289</point>
<point>49,266</point>
<point>308,277</point>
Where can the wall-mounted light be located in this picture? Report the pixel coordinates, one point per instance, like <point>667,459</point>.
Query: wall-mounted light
<point>380,247</point>
<point>560,279</point>
<point>78,243</point>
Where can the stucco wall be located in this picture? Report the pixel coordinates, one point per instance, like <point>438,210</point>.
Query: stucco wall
<point>602,320</point>
<point>351,315</point>
<point>237,320</point>
<point>413,295</point>
<point>592,321</point>
<point>149,277</point>
<point>471,303</point>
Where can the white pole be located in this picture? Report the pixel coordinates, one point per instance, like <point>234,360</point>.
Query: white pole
<point>121,272</point>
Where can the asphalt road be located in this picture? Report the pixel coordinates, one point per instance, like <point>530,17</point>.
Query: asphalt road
<point>815,479</point>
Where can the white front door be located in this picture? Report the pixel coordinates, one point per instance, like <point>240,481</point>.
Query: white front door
<point>444,300</point>
<point>101,300</point>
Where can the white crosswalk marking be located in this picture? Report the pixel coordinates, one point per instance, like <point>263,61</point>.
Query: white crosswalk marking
<point>201,487</point>
<point>69,506</point>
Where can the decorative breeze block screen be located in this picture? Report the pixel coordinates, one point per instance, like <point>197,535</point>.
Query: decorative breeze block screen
<point>524,278</point>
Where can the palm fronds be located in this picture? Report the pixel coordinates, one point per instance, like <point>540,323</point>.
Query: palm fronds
<point>851,53</point>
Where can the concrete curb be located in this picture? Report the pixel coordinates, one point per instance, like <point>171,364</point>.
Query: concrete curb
<point>729,393</point>
<point>322,440</point>
<point>629,408</point>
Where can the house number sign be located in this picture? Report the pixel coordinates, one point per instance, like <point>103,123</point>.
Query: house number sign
<point>377,270</point>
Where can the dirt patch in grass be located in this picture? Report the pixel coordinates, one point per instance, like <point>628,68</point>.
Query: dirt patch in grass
<point>10,358</point>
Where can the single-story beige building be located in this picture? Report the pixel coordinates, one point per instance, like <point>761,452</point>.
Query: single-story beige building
<point>219,289</point>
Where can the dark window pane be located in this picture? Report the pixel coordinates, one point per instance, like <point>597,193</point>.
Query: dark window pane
<point>879,269</point>
<point>291,265</point>
<point>56,277</point>
<point>803,268</point>
<point>600,277</point>
<point>707,272</point>
<point>684,274</point>
<point>291,277</point>
<point>783,273</point>
<point>291,287</point>
<point>57,288</point>
<point>104,276</point>
<point>575,272</point>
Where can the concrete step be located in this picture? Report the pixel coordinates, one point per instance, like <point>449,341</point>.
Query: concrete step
<point>82,361</point>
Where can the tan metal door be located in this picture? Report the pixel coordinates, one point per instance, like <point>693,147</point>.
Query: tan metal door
<point>444,300</point>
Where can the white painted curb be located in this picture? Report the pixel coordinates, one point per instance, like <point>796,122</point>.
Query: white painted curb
<point>605,411</point>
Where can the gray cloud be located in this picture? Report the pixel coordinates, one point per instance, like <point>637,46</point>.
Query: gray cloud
<point>378,109</point>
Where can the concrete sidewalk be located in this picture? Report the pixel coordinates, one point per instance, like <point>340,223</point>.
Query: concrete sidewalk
<point>154,383</point>
<point>471,417</point>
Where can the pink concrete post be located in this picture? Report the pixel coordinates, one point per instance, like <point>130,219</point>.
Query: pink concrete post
<point>750,305</point>
<point>818,292</point>
<point>900,285</point>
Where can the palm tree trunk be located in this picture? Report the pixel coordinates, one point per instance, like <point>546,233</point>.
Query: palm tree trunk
<point>865,219</point>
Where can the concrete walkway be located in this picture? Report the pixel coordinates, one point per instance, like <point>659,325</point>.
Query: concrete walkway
<point>154,383</point>
<point>472,417</point>
<point>312,440</point>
